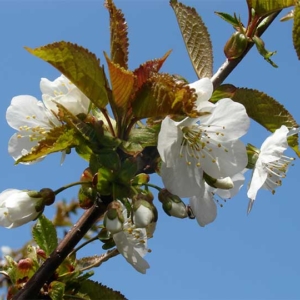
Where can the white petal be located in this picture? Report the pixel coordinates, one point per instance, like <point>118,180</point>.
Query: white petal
<point>204,207</point>
<point>20,145</point>
<point>228,163</point>
<point>274,145</point>
<point>169,140</point>
<point>130,253</point>
<point>27,111</point>
<point>204,90</point>
<point>182,180</point>
<point>229,118</point>
<point>259,177</point>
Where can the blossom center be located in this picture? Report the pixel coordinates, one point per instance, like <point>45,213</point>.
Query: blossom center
<point>198,143</point>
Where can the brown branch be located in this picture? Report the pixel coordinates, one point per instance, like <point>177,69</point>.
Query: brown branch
<point>229,65</point>
<point>33,286</point>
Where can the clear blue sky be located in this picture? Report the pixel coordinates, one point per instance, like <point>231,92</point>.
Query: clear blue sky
<point>237,256</point>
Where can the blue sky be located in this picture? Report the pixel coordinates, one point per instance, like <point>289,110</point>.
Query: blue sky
<point>237,256</point>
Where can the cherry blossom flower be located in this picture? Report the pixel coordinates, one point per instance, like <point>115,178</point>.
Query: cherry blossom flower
<point>132,242</point>
<point>33,119</point>
<point>19,207</point>
<point>209,143</point>
<point>271,165</point>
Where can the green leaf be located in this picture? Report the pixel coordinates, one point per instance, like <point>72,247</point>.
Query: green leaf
<point>56,290</point>
<point>96,290</point>
<point>80,66</point>
<point>266,7</point>
<point>57,139</point>
<point>260,45</point>
<point>223,91</point>
<point>44,234</point>
<point>89,262</point>
<point>145,136</point>
<point>196,38</point>
<point>118,35</point>
<point>162,95</point>
<point>233,20</point>
<point>296,30</point>
<point>267,112</point>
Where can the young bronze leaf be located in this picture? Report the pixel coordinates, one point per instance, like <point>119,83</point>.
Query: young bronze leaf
<point>57,139</point>
<point>267,7</point>
<point>296,30</point>
<point>144,71</point>
<point>161,95</point>
<point>122,82</point>
<point>80,66</point>
<point>118,35</point>
<point>196,38</point>
<point>267,112</point>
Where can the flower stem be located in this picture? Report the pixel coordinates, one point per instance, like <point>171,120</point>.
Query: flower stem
<point>84,244</point>
<point>33,286</point>
<point>70,185</point>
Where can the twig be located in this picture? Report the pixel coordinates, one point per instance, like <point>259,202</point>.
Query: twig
<point>229,65</point>
<point>33,286</point>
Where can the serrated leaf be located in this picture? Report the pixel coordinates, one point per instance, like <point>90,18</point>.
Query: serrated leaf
<point>44,234</point>
<point>122,82</point>
<point>196,38</point>
<point>147,69</point>
<point>57,139</point>
<point>80,66</point>
<point>145,136</point>
<point>267,112</point>
<point>118,35</point>
<point>161,95</point>
<point>84,129</point>
<point>223,91</point>
<point>96,290</point>
<point>89,262</point>
<point>296,30</point>
<point>266,7</point>
<point>56,290</point>
<point>131,148</point>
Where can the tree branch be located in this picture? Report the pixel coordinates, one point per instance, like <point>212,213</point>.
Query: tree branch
<point>229,65</point>
<point>33,286</point>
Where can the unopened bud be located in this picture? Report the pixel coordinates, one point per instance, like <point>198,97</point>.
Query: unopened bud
<point>141,179</point>
<point>235,46</point>
<point>144,213</point>
<point>172,204</point>
<point>86,197</point>
<point>86,175</point>
<point>48,196</point>
<point>220,183</point>
<point>113,218</point>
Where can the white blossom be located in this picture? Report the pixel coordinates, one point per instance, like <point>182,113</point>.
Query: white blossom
<point>271,165</point>
<point>209,143</point>
<point>18,208</point>
<point>132,244</point>
<point>33,119</point>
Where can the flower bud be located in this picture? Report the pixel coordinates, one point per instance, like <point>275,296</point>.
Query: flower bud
<point>144,213</point>
<point>48,196</point>
<point>236,45</point>
<point>220,183</point>
<point>172,204</point>
<point>141,179</point>
<point>19,207</point>
<point>86,175</point>
<point>113,218</point>
<point>86,197</point>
